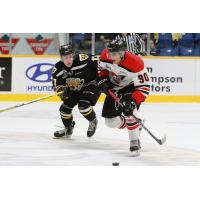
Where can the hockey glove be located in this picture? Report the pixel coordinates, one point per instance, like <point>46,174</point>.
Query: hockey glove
<point>104,84</point>
<point>129,106</point>
<point>67,92</point>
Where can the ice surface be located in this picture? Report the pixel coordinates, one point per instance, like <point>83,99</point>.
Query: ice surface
<point>26,137</point>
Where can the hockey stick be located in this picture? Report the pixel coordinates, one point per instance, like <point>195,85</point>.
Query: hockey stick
<point>159,141</point>
<point>29,102</point>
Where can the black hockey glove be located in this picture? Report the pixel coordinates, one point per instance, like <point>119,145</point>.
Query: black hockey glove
<point>129,106</point>
<point>67,92</point>
<point>104,84</point>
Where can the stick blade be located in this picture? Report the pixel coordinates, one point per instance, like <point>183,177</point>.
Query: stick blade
<point>163,140</point>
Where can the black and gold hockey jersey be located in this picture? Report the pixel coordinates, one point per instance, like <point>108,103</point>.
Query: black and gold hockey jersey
<point>82,73</point>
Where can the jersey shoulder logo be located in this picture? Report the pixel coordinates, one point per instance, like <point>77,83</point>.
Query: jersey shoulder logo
<point>95,58</point>
<point>83,57</point>
<point>54,70</point>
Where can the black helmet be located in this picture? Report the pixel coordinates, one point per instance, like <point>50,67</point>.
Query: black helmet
<point>116,46</point>
<point>66,49</point>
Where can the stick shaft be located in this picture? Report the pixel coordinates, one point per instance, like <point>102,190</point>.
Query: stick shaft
<point>138,120</point>
<point>29,102</point>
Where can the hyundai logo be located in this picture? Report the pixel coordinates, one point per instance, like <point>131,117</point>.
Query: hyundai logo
<point>40,72</point>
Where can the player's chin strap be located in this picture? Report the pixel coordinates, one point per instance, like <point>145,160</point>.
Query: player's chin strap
<point>159,141</point>
<point>29,102</point>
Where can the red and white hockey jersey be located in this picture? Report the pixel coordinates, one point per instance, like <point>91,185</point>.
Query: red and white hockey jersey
<point>129,71</point>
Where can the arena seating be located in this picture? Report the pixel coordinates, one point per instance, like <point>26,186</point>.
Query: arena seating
<point>188,45</point>
<point>169,52</point>
<point>165,40</point>
<point>187,40</point>
<point>186,51</point>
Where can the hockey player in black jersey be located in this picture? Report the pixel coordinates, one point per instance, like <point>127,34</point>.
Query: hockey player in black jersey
<point>75,75</point>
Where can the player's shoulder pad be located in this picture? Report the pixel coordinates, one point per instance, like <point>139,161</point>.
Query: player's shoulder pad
<point>95,57</point>
<point>58,64</point>
<point>57,67</point>
<point>82,57</point>
<point>132,62</point>
<point>104,56</point>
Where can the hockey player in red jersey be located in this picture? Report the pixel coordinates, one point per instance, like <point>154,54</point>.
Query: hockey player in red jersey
<point>123,73</point>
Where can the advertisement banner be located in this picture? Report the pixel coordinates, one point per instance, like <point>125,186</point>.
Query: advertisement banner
<point>39,44</point>
<point>5,74</point>
<point>173,76</point>
<point>4,43</point>
<point>172,79</point>
<point>32,75</point>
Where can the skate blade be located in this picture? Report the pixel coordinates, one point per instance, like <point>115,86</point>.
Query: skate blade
<point>135,153</point>
<point>90,139</point>
<point>68,137</point>
<point>57,138</point>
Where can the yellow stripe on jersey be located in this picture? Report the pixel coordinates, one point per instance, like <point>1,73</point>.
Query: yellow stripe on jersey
<point>87,112</point>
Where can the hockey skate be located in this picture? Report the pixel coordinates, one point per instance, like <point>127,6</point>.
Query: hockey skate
<point>92,128</point>
<point>67,131</point>
<point>135,147</point>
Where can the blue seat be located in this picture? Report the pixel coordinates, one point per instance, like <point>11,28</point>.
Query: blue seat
<point>168,52</point>
<point>185,51</point>
<point>77,38</point>
<point>197,51</point>
<point>165,40</point>
<point>187,40</point>
<point>165,36</point>
<point>197,36</point>
<point>197,39</point>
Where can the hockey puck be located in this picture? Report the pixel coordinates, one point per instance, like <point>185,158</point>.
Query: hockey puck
<point>115,164</point>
